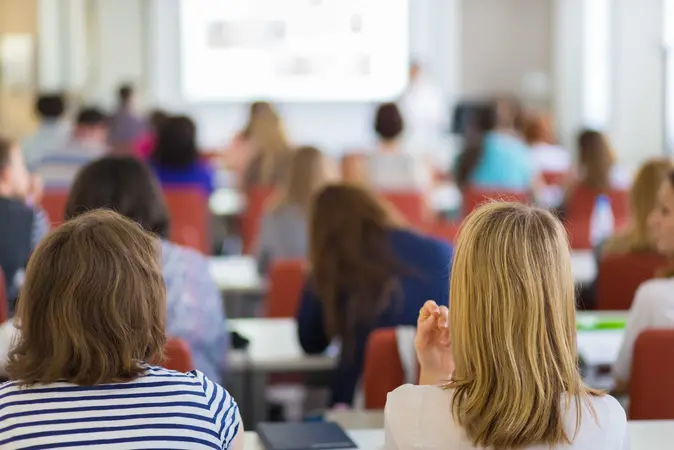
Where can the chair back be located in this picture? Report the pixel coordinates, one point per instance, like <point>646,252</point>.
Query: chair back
<point>651,388</point>
<point>54,203</point>
<point>579,210</point>
<point>474,197</point>
<point>190,218</point>
<point>412,206</point>
<point>177,356</point>
<point>256,199</point>
<point>619,276</point>
<point>447,231</point>
<point>4,306</point>
<point>286,280</point>
<point>554,178</point>
<point>383,370</point>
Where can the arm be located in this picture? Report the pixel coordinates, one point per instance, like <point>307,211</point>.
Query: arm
<point>238,440</point>
<point>638,320</point>
<point>310,326</point>
<point>264,244</point>
<point>41,226</point>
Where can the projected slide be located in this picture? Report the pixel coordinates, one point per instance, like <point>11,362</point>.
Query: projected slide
<point>293,50</point>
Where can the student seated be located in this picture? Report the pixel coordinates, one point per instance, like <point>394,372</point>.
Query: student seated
<point>53,131</point>
<point>494,156</point>
<point>21,225</point>
<point>194,310</point>
<point>126,127</point>
<point>88,142</point>
<point>499,369</point>
<point>367,271</point>
<point>283,228</point>
<point>391,169</point>
<point>545,155</point>
<point>91,321</point>
<point>653,305</point>
<point>175,160</point>
<point>638,238</point>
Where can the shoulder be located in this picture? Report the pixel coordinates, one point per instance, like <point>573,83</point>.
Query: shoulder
<point>655,294</point>
<point>604,415</point>
<point>176,255</point>
<point>433,250</point>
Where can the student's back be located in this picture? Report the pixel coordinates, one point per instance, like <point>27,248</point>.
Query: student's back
<point>377,279</point>
<point>506,164</point>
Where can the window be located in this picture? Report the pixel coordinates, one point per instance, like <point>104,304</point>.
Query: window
<point>668,40</point>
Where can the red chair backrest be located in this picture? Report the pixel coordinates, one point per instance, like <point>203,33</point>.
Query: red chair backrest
<point>412,206</point>
<point>190,218</point>
<point>619,277</point>
<point>651,387</point>
<point>256,199</point>
<point>54,204</point>
<point>447,231</point>
<point>554,178</point>
<point>383,370</point>
<point>579,211</point>
<point>4,307</point>
<point>177,356</point>
<point>286,280</point>
<point>473,197</point>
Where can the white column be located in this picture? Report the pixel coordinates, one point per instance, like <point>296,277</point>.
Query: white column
<point>668,39</point>
<point>75,45</point>
<point>50,54</point>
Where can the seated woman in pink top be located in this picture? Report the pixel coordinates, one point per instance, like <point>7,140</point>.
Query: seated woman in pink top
<point>145,145</point>
<point>499,368</point>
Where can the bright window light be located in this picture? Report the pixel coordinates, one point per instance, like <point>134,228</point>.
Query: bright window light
<point>597,63</point>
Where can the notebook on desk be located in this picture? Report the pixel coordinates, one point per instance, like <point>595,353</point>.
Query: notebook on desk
<point>303,436</point>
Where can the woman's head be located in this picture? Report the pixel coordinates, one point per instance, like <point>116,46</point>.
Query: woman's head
<point>93,304</point>
<point>479,122</point>
<point>596,158</point>
<point>513,330</point>
<point>122,184</point>
<point>388,122</point>
<point>258,111</point>
<point>538,129</point>
<point>661,219</point>
<point>643,200</point>
<point>176,142</point>
<point>350,255</point>
<point>309,171</point>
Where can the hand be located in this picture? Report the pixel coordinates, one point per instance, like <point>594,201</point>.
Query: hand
<point>433,344</point>
<point>35,190</point>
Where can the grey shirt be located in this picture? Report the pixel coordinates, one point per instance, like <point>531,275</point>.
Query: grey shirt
<point>283,235</point>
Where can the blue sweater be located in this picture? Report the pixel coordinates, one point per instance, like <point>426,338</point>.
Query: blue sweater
<point>430,261</point>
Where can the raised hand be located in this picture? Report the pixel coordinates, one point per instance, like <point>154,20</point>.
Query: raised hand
<point>433,344</point>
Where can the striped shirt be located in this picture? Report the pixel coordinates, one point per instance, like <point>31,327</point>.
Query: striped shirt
<point>161,409</point>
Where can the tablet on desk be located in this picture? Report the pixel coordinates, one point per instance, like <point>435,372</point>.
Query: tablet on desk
<point>303,436</point>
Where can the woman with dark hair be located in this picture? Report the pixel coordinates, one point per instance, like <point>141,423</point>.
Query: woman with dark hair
<point>391,168</point>
<point>175,159</point>
<point>193,304</point>
<point>368,271</point>
<point>494,157</point>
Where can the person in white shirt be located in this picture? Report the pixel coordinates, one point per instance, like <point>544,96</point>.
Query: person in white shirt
<point>426,114</point>
<point>499,369</point>
<point>653,305</point>
<point>53,132</point>
<point>390,169</point>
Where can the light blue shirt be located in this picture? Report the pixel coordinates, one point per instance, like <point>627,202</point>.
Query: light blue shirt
<point>506,164</point>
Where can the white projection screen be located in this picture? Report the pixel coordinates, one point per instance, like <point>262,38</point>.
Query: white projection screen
<point>293,50</point>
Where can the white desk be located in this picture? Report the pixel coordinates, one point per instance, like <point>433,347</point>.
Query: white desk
<point>226,202</point>
<point>599,347</point>
<point>646,435</point>
<point>236,274</point>
<point>584,266</point>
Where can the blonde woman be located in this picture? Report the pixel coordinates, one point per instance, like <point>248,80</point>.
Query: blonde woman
<point>270,151</point>
<point>643,197</point>
<point>283,233</point>
<point>499,370</point>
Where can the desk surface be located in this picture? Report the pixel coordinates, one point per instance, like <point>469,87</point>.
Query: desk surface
<point>644,435</point>
<point>584,266</point>
<point>274,347</point>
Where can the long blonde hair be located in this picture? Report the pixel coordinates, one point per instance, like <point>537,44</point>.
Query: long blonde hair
<point>307,174</point>
<point>596,157</point>
<point>638,238</point>
<point>513,328</point>
<point>270,146</point>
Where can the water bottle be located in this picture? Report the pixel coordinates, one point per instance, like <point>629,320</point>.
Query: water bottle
<point>602,221</point>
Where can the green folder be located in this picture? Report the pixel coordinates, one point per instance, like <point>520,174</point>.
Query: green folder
<point>597,323</point>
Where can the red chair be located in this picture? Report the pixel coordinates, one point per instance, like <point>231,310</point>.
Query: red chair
<point>54,204</point>
<point>619,276</point>
<point>579,209</point>
<point>555,178</point>
<point>177,356</point>
<point>190,218</point>
<point>256,199</point>
<point>472,198</point>
<point>651,387</point>
<point>286,280</point>
<point>447,231</point>
<point>412,206</point>
<point>383,370</point>
<point>4,307</point>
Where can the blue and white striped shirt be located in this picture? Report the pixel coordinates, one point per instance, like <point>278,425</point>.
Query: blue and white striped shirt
<point>161,409</point>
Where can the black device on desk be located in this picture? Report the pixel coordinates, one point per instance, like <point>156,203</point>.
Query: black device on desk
<point>303,436</point>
